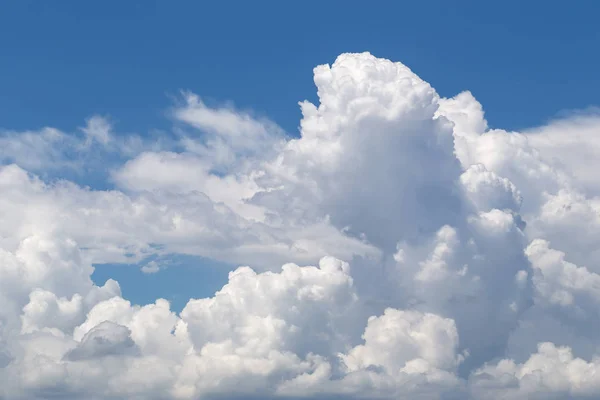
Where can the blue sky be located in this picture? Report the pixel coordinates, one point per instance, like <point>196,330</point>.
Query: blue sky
<point>65,60</point>
<point>185,277</point>
<point>527,62</point>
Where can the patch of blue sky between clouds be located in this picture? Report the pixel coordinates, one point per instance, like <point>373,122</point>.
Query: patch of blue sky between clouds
<point>179,279</point>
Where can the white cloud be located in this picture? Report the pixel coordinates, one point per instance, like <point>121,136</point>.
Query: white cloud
<point>455,240</point>
<point>572,144</point>
<point>94,147</point>
<point>127,228</point>
<point>151,268</point>
<point>97,129</point>
<point>221,121</point>
<point>186,173</point>
<point>550,373</point>
<point>35,150</point>
<point>227,136</point>
<point>371,156</point>
<point>105,339</point>
<point>406,341</point>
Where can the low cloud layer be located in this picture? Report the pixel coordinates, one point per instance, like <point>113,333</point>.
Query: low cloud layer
<point>397,249</point>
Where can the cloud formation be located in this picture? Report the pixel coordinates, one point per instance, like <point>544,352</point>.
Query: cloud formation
<point>397,249</point>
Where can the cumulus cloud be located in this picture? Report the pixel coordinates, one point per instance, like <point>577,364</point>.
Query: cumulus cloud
<point>550,373</point>
<point>105,339</point>
<point>398,248</point>
<point>572,144</point>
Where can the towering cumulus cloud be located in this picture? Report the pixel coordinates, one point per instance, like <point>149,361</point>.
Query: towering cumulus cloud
<point>397,249</point>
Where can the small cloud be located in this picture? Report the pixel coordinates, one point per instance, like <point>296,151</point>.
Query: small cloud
<point>151,268</point>
<point>105,339</point>
<point>97,129</point>
<point>222,121</point>
<point>228,135</point>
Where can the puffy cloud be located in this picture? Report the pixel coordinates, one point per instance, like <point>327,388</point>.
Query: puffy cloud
<point>569,220</point>
<point>406,341</point>
<point>572,144</point>
<point>558,281</point>
<point>489,191</point>
<point>130,227</point>
<point>371,155</point>
<point>566,299</point>
<point>269,333</point>
<point>105,339</point>
<point>188,173</point>
<point>151,268</point>
<point>550,373</point>
<point>439,247</point>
